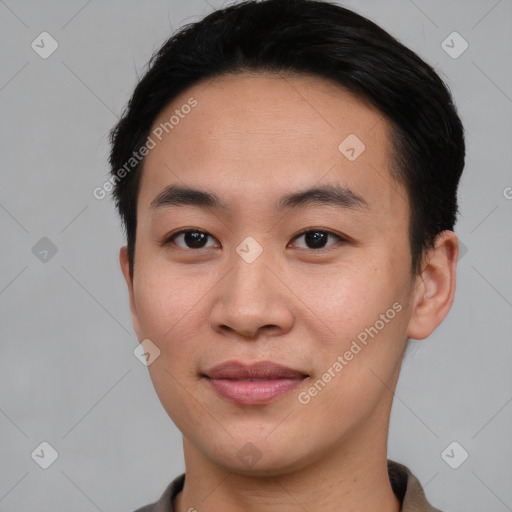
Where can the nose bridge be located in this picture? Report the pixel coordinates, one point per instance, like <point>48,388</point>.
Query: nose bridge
<point>251,275</point>
<point>250,286</point>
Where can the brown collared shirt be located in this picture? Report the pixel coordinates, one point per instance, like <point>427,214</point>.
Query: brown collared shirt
<point>405,486</point>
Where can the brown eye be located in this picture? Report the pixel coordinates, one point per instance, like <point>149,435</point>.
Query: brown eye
<point>317,239</point>
<point>191,239</point>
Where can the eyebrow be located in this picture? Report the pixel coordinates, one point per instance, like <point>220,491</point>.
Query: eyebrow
<point>329,195</point>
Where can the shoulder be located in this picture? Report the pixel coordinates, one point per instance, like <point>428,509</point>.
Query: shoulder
<point>408,489</point>
<point>166,501</point>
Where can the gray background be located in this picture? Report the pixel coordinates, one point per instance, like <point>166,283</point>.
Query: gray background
<point>68,375</point>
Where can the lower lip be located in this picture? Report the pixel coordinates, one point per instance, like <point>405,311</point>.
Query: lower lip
<point>253,392</point>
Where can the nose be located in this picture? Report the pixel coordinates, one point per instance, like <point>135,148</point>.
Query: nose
<point>252,300</point>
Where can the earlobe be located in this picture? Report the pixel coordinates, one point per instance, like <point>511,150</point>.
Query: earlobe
<point>435,287</point>
<point>125,268</point>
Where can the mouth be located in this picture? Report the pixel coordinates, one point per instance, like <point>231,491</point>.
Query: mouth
<point>252,384</point>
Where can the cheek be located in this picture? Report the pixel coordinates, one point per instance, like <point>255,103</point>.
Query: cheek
<point>363,322</point>
<point>168,302</point>
<point>347,299</point>
<point>169,308</point>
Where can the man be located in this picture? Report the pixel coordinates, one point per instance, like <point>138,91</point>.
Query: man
<point>287,175</point>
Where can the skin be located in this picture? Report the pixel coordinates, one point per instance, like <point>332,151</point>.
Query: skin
<point>251,139</point>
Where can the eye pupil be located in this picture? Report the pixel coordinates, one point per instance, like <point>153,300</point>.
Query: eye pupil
<point>316,238</point>
<point>195,239</point>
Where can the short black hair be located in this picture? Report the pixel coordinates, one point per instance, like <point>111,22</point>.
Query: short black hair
<point>322,39</point>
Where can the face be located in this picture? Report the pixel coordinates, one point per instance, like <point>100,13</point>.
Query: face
<point>301,260</point>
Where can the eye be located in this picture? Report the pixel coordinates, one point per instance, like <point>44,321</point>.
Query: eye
<point>317,239</point>
<point>190,239</point>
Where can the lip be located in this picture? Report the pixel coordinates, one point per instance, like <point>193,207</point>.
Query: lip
<point>252,384</point>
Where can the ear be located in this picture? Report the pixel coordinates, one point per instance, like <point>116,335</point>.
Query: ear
<point>434,287</point>
<point>125,267</point>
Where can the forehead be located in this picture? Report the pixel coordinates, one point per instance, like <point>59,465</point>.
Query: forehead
<point>270,133</point>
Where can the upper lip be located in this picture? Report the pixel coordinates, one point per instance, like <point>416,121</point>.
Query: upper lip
<point>258,370</point>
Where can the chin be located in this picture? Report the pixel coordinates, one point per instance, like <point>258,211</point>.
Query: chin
<point>259,458</point>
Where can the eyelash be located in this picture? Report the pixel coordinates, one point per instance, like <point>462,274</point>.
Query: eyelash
<point>170,239</point>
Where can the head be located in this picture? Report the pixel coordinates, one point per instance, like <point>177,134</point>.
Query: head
<point>303,135</point>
